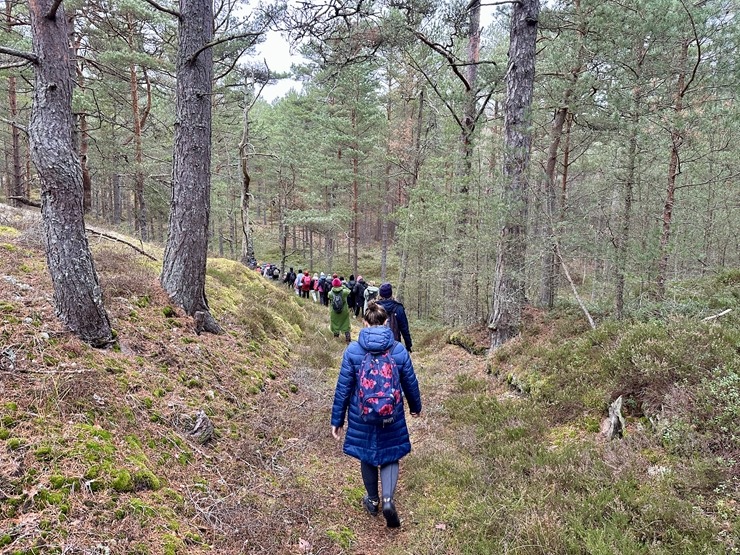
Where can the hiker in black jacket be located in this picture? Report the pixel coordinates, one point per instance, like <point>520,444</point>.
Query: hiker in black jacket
<point>397,320</point>
<point>358,292</point>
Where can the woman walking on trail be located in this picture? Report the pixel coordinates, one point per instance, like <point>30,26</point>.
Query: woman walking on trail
<point>339,313</point>
<point>377,446</point>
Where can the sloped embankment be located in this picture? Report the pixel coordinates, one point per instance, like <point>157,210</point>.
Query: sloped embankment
<point>98,448</point>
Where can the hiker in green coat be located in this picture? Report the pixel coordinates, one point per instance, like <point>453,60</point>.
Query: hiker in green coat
<point>339,321</point>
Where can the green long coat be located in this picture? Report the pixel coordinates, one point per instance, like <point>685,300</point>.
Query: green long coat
<point>339,321</point>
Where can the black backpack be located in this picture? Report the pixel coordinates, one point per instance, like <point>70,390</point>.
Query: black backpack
<point>337,302</point>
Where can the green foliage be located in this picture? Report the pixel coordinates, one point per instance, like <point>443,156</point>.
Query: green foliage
<point>344,537</point>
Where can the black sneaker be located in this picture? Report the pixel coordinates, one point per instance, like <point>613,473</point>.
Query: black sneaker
<point>390,514</point>
<point>371,505</point>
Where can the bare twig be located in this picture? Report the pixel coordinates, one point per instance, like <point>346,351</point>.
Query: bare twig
<point>708,318</point>
<point>112,238</point>
<point>573,286</point>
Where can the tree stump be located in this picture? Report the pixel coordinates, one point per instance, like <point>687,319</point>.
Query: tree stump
<point>613,426</point>
<point>200,428</point>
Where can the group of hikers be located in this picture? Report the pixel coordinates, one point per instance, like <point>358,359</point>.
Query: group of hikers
<point>376,376</point>
<point>349,298</point>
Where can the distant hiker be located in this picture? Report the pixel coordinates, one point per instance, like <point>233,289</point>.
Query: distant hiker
<point>275,273</point>
<point>351,286</point>
<point>371,293</point>
<point>376,445</point>
<point>324,286</point>
<point>315,288</point>
<point>397,320</point>
<point>290,278</point>
<point>298,282</point>
<point>358,292</point>
<point>306,285</point>
<point>339,319</point>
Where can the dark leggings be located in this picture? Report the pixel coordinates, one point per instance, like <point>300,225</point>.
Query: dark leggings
<point>388,478</point>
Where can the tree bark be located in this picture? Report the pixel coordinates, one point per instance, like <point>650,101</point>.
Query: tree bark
<point>508,291</point>
<point>78,299</point>
<point>673,171</point>
<point>184,267</point>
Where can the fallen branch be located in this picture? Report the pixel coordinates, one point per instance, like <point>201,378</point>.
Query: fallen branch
<point>112,238</point>
<point>708,318</point>
<point>27,202</point>
<point>573,286</point>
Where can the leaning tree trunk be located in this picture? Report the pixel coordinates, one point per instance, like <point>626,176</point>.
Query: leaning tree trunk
<point>184,266</point>
<point>508,291</point>
<point>78,299</point>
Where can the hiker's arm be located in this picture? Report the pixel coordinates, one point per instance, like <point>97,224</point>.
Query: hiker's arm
<point>410,386</point>
<point>403,326</point>
<point>342,393</point>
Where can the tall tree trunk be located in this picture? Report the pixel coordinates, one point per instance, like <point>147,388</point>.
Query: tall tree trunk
<point>140,214</point>
<point>78,299</point>
<point>417,161</point>
<point>116,201</point>
<point>355,191</point>
<point>184,265</point>
<point>673,170</point>
<point>84,136</point>
<point>15,186</point>
<point>508,291</point>
<point>622,240</point>
<point>549,264</point>
<point>246,256</point>
<point>458,294</point>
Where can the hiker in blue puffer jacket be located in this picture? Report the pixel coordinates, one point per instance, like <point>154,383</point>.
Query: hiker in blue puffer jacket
<point>376,446</point>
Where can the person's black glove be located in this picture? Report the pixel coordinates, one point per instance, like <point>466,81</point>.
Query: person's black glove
<point>410,350</point>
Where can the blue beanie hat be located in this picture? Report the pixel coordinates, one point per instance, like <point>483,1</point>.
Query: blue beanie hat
<point>386,291</point>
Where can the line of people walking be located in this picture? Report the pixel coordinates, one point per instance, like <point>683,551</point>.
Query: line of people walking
<point>378,447</point>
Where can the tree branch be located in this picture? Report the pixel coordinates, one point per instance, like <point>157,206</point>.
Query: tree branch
<point>14,124</point>
<point>27,202</point>
<point>221,41</point>
<point>112,238</point>
<point>163,9</point>
<point>52,15</point>
<point>698,51</point>
<point>442,52</point>
<point>30,56</point>
<point>14,66</point>
<point>439,95</point>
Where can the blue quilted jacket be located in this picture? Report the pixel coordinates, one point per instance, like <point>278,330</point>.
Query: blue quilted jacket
<point>376,445</point>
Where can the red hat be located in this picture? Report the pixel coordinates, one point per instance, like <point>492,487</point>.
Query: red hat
<point>336,283</point>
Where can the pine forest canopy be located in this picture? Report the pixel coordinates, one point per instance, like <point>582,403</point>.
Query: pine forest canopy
<point>424,147</point>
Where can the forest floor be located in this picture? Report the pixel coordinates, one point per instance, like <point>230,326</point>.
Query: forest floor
<point>96,454</point>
